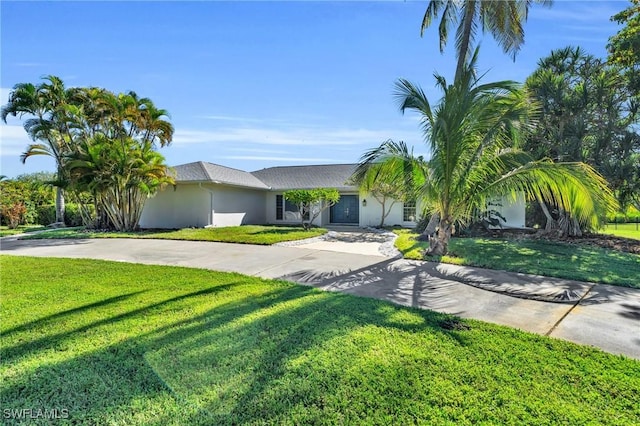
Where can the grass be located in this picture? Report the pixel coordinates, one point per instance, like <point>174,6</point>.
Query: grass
<point>117,343</point>
<point>560,260</point>
<point>625,230</point>
<point>246,234</point>
<point>5,231</point>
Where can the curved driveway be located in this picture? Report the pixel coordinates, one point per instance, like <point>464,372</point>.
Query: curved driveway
<point>604,316</point>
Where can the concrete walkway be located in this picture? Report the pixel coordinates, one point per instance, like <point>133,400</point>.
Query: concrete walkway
<point>604,316</point>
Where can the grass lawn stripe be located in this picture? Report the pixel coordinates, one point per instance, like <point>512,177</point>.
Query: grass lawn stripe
<point>119,343</point>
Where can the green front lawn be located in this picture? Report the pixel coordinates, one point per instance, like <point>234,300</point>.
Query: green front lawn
<point>560,260</point>
<point>246,234</point>
<point>21,229</point>
<point>625,230</point>
<point>117,343</point>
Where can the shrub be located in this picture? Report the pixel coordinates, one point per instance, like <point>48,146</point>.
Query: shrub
<point>72,216</point>
<point>46,214</point>
<point>631,215</point>
<point>14,214</point>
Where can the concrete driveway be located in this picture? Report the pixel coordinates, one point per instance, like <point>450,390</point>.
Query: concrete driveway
<point>604,316</point>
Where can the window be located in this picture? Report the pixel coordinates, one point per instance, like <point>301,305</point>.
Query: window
<point>285,209</point>
<point>279,199</point>
<point>409,211</point>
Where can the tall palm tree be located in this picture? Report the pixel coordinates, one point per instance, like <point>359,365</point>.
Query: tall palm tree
<point>45,105</point>
<point>473,133</point>
<point>502,18</point>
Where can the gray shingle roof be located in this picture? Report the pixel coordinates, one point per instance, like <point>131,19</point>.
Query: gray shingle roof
<point>201,171</point>
<point>307,177</point>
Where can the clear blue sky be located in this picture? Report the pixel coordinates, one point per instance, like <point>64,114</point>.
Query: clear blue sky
<point>257,84</point>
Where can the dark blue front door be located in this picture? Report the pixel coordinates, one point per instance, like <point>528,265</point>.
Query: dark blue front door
<point>346,210</point>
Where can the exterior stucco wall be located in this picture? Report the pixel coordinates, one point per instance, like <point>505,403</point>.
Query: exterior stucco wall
<point>186,206</point>
<point>193,205</point>
<point>371,213</point>
<point>512,210</point>
<point>237,206</point>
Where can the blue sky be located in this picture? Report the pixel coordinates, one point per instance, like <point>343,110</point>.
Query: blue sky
<point>258,84</point>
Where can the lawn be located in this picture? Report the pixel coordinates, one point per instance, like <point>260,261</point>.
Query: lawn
<point>117,343</point>
<point>560,260</point>
<point>246,234</point>
<point>5,231</point>
<point>626,230</point>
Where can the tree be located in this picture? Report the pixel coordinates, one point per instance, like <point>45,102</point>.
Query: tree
<point>312,202</point>
<point>587,114</point>
<point>120,176</point>
<point>624,47</point>
<point>44,104</point>
<point>389,182</point>
<point>503,19</point>
<point>473,133</point>
<point>96,130</point>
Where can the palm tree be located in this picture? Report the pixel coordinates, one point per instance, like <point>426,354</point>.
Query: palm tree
<point>502,18</point>
<point>120,175</point>
<point>394,180</point>
<point>473,133</point>
<point>45,104</point>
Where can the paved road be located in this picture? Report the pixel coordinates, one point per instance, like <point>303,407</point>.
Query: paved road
<point>604,316</point>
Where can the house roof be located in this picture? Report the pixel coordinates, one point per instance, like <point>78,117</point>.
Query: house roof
<point>277,178</point>
<point>201,171</point>
<point>307,177</point>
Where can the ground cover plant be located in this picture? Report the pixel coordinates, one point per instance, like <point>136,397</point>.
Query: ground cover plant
<point>5,231</point>
<point>540,257</point>
<point>246,234</point>
<point>118,343</point>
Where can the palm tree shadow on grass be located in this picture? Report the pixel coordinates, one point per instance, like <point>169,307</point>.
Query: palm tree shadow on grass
<point>107,381</point>
<point>245,356</point>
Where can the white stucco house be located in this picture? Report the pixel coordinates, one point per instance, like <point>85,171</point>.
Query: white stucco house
<point>211,195</point>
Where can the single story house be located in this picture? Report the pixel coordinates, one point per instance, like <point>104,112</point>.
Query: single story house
<point>211,195</point>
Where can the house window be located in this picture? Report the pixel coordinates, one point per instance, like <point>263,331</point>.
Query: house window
<point>279,200</point>
<point>409,211</point>
<point>285,209</point>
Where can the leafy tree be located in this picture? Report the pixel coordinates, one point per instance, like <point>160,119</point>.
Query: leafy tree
<point>119,176</point>
<point>624,47</point>
<point>473,133</point>
<point>312,202</point>
<point>95,129</point>
<point>389,182</point>
<point>587,114</point>
<point>503,19</point>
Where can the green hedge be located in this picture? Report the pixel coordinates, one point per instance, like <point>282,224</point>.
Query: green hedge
<point>630,216</point>
<point>47,215</point>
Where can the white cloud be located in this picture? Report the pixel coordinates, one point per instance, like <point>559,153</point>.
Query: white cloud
<point>283,159</point>
<point>292,136</point>
<point>13,140</point>
<point>28,64</point>
<point>258,150</point>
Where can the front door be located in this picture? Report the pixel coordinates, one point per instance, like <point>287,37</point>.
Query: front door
<point>345,210</point>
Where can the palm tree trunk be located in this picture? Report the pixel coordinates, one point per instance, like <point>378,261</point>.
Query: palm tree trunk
<point>431,228</point>
<point>440,245</point>
<point>550,223</point>
<point>59,205</point>
<point>569,225</point>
